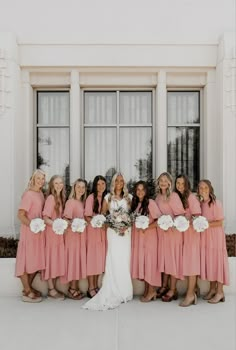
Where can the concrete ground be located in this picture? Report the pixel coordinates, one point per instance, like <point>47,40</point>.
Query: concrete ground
<point>63,325</point>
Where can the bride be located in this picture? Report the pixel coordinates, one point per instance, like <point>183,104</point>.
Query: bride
<point>117,284</point>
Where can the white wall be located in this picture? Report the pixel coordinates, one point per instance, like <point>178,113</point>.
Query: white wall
<point>112,21</point>
<point>158,44</point>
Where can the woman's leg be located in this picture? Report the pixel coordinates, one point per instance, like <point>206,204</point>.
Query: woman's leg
<point>190,297</point>
<point>219,295</point>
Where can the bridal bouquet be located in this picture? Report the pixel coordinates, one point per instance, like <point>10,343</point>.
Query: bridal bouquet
<point>78,225</point>
<point>37,225</point>
<point>98,221</point>
<point>200,223</point>
<point>142,222</point>
<point>165,222</point>
<point>59,226</point>
<point>181,223</point>
<point>118,220</point>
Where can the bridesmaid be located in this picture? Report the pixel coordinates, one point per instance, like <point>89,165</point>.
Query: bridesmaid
<point>170,243</point>
<point>214,259</point>
<point>55,249</point>
<point>96,237</point>
<point>144,242</point>
<point>31,252</point>
<point>75,243</point>
<point>191,247</point>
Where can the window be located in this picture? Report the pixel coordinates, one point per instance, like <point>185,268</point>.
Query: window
<point>118,134</point>
<point>53,109</point>
<point>183,111</point>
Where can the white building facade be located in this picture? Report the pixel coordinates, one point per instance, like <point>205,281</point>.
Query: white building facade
<point>99,103</point>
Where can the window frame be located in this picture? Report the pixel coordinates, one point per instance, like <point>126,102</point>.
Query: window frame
<point>117,90</point>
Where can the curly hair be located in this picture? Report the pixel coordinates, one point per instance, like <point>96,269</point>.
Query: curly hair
<point>187,190</point>
<point>59,201</point>
<point>211,191</point>
<point>170,181</point>
<point>73,193</point>
<point>95,193</point>
<point>31,182</point>
<point>135,200</point>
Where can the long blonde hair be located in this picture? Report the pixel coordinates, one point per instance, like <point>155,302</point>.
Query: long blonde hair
<point>62,197</point>
<point>125,192</point>
<point>31,182</point>
<point>72,192</point>
<point>170,182</point>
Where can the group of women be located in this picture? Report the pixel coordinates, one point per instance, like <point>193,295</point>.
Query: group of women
<point>157,257</point>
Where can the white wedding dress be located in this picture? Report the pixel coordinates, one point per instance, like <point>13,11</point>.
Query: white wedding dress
<point>117,285</point>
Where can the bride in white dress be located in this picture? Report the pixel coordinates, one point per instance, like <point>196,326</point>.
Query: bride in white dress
<point>117,284</point>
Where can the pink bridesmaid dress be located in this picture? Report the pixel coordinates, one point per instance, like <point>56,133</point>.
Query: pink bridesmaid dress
<point>31,247</point>
<point>144,250</point>
<point>55,248</point>
<point>170,242</point>
<point>96,242</point>
<point>214,258</point>
<point>191,248</point>
<point>75,244</point>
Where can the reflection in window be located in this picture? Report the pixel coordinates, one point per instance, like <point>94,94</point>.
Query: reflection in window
<point>184,135</point>
<point>53,133</point>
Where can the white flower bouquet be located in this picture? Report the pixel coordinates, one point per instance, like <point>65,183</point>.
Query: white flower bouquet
<point>98,221</point>
<point>78,225</point>
<point>142,222</point>
<point>59,226</point>
<point>181,223</point>
<point>200,223</point>
<point>37,225</point>
<point>119,220</point>
<point>165,222</point>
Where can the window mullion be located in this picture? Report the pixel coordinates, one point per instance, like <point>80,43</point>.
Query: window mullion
<point>118,131</point>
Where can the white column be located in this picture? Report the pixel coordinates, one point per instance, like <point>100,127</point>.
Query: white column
<point>226,86</point>
<point>75,128</point>
<point>161,125</point>
<point>212,135</point>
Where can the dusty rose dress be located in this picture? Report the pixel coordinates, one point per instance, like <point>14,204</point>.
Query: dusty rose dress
<point>75,244</point>
<point>144,250</point>
<point>31,247</point>
<point>170,243</point>
<point>55,248</point>
<point>96,242</point>
<point>191,248</point>
<point>214,259</point>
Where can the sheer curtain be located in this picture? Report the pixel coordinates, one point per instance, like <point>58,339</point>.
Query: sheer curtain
<point>53,133</point>
<point>118,139</point>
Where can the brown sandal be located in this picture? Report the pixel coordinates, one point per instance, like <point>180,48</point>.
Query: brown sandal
<point>30,297</point>
<point>35,291</point>
<point>75,294</point>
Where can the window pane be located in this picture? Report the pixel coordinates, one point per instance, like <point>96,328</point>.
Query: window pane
<point>53,108</point>
<point>135,107</point>
<point>136,153</point>
<point>100,108</point>
<point>53,151</point>
<point>100,152</point>
<point>183,107</point>
<point>183,152</point>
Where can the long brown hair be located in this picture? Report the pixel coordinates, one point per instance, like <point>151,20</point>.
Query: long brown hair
<point>59,201</point>
<point>72,192</point>
<point>211,191</point>
<point>187,190</point>
<point>95,192</point>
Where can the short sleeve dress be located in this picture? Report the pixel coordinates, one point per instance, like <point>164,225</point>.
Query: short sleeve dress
<point>170,242</point>
<point>75,244</point>
<point>145,250</point>
<point>55,248</point>
<point>31,247</point>
<point>214,258</point>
